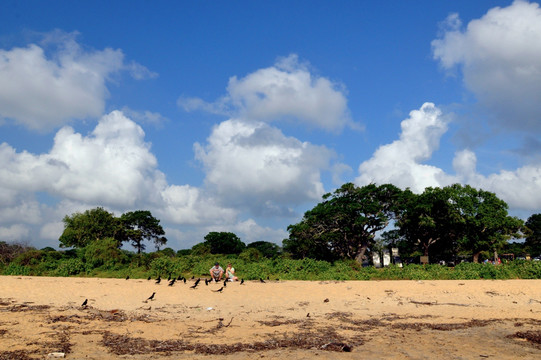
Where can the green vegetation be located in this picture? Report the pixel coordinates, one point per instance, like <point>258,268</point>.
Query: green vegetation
<point>334,241</point>
<point>79,263</point>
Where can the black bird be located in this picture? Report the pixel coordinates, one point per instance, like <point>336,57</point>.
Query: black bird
<point>128,277</point>
<point>206,282</point>
<point>197,281</point>
<point>261,280</point>
<point>151,297</point>
<point>219,290</point>
<point>225,282</point>
<point>308,315</point>
<point>193,277</point>
<point>84,303</point>
<point>242,281</point>
<point>179,278</point>
<point>194,285</point>
<point>169,278</point>
<point>158,280</point>
<point>172,282</point>
<point>184,279</point>
<point>148,278</point>
<point>268,278</point>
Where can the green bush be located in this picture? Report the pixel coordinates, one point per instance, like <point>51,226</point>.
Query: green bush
<point>103,253</point>
<point>161,266</point>
<point>69,267</point>
<point>16,269</point>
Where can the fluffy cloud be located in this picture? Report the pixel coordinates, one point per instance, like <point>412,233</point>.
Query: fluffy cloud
<point>285,90</point>
<point>401,162</point>
<point>112,166</point>
<point>15,232</point>
<point>44,92</point>
<point>255,166</point>
<point>250,232</point>
<point>519,188</point>
<point>500,57</point>
<point>185,204</point>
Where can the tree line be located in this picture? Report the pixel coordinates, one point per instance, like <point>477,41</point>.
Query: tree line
<point>445,223</point>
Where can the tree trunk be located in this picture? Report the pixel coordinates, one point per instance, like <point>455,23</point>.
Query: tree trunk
<point>476,257</point>
<point>360,256</point>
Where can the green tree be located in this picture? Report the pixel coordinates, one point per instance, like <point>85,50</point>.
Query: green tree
<point>200,249</point>
<point>429,220</point>
<point>80,229</point>
<point>345,223</point>
<point>533,239</point>
<point>484,222</point>
<point>139,226</point>
<point>267,249</point>
<point>224,243</point>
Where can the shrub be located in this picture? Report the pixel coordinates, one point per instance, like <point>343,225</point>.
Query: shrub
<point>103,252</point>
<point>70,267</point>
<point>16,269</point>
<point>162,266</point>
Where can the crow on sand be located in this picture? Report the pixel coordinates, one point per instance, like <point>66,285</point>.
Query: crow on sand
<point>151,297</point>
<point>219,290</point>
<point>84,303</point>
<point>261,280</point>
<point>128,277</point>
<point>196,283</point>
<point>158,280</point>
<point>241,281</point>
<point>172,282</point>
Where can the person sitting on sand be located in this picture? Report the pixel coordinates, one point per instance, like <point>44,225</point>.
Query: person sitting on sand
<point>230,273</point>
<point>216,272</point>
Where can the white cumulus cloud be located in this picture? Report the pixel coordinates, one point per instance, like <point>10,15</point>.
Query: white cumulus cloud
<point>14,233</point>
<point>500,58</point>
<point>42,92</point>
<point>255,166</point>
<point>286,90</point>
<point>401,162</point>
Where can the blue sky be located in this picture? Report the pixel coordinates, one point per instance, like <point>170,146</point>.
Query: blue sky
<point>238,116</point>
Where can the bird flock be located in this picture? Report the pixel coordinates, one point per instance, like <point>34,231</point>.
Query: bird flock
<point>181,279</point>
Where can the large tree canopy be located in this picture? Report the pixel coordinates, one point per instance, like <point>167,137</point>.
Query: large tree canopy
<point>428,220</point>
<point>80,229</point>
<point>267,249</point>
<point>457,218</point>
<point>83,229</point>
<point>224,243</point>
<point>485,223</point>
<point>345,223</point>
<point>140,225</point>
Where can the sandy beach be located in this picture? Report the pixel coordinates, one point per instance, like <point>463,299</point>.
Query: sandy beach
<point>474,319</point>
